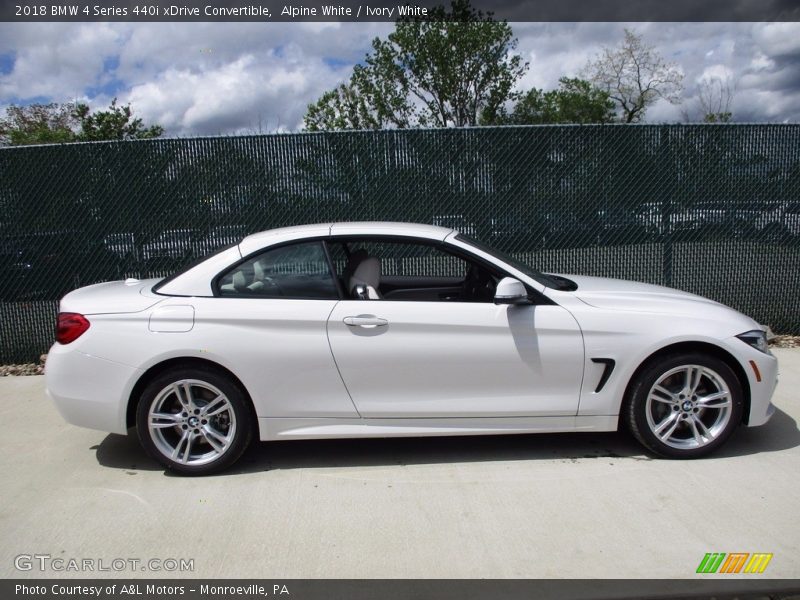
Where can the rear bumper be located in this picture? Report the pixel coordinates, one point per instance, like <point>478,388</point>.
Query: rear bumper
<point>89,391</point>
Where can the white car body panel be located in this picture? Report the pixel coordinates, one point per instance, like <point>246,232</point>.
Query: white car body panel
<point>309,429</point>
<point>279,350</point>
<point>90,391</point>
<point>490,360</point>
<point>113,297</point>
<point>448,368</point>
<point>629,329</point>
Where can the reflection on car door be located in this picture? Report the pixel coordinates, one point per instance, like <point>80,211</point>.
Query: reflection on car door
<point>457,359</point>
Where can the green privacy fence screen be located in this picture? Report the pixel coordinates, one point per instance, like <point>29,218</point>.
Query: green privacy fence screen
<point>712,209</point>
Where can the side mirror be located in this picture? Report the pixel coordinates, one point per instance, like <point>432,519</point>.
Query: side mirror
<point>511,291</point>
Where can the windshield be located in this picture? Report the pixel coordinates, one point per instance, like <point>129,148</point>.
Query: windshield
<point>559,283</point>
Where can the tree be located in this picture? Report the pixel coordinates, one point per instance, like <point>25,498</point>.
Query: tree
<point>715,96</point>
<point>358,104</point>
<point>58,123</point>
<point>575,101</point>
<point>713,102</point>
<point>635,75</point>
<point>116,123</point>
<point>38,124</point>
<point>446,69</point>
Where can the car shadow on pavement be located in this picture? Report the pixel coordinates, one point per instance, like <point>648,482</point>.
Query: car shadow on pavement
<point>124,452</point>
<point>780,433</point>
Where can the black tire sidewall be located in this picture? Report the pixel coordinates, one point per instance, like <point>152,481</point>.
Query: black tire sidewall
<point>237,399</point>
<point>637,403</point>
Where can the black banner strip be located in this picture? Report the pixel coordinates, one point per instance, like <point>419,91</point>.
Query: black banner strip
<point>398,589</point>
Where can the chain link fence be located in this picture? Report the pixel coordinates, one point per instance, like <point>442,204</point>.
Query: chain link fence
<point>712,209</point>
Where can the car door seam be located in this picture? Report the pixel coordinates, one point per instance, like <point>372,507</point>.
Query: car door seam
<point>333,356</point>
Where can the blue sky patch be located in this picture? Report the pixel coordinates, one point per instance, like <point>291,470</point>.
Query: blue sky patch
<point>108,84</point>
<point>7,63</point>
<point>336,63</point>
<point>110,63</point>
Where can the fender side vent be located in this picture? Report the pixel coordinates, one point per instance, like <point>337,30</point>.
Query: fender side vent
<point>609,368</point>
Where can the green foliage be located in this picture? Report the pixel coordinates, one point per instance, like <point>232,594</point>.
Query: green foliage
<point>358,104</point>
<point>116,123</point>
<point>38,124</point>
<point>57,123</point>
<point>575,101</point>
<point>718,117</point>
<point>448,69</point>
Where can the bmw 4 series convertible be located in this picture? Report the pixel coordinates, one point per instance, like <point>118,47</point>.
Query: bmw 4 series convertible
<point>350,330</point>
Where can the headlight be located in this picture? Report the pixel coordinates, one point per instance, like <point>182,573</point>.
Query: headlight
<point>757,339</point>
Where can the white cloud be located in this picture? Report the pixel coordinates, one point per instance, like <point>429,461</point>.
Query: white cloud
<point>716,71</point>
<point>232,97</point>
<point>778,39</point>
<point>56,60</point>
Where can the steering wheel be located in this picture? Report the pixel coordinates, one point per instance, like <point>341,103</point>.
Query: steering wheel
<point>478,285</point>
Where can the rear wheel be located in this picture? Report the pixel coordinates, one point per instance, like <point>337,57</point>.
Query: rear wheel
<point>685,406</point>
<point>194,422</point>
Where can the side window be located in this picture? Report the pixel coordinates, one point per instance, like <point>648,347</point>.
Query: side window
<point>391,269</point>
<point>296,271</point>
<point>400,259</point>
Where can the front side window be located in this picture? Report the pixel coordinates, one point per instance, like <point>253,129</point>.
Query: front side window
<point>408,270</point>
<point>294,271</point>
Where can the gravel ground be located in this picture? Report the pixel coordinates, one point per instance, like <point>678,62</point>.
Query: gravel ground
<point>25,369</point>
<point>785,341</point>
<point>778,341</point>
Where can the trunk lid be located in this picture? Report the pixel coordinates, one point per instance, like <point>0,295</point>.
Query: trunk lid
<point>112,297</point>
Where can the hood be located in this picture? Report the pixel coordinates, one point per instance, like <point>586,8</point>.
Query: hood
<point>602,292</point>
<point>112,297</point>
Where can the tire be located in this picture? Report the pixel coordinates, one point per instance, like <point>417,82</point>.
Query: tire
<point>675,424</point>
<point>172,428</point>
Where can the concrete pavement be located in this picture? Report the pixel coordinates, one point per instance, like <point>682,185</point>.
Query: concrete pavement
<point>570,505</point>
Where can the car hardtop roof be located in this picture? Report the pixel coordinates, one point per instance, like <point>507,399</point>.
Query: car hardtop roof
<point>347,228</point>
<point>196,280</point>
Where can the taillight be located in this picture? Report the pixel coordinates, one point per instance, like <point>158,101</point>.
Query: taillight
<point>70,327</point>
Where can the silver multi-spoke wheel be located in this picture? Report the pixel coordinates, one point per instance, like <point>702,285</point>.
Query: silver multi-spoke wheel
<point>689,407</point>
<point>684,405</point>
<point>191,422</point>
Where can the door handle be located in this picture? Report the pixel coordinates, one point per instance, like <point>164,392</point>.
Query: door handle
<point>368,321</point>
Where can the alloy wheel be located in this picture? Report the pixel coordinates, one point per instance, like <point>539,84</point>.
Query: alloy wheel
<point>688,407</point>
<point>191,422</point>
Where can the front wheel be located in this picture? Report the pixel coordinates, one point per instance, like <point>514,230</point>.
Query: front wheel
<point>194,422</point>
<point>684,406</point>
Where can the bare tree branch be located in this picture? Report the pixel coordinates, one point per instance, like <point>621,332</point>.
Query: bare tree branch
<point>635,76</point>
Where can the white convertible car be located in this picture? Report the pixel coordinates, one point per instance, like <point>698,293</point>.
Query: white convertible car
<point>393,329</point>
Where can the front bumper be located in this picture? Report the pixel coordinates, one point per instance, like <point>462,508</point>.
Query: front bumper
<point>762,374</point>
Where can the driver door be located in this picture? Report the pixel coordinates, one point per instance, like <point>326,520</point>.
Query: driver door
<point>447,357</point>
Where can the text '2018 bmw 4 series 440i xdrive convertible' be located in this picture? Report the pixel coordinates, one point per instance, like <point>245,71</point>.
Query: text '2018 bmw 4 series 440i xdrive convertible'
<point>392,329</point>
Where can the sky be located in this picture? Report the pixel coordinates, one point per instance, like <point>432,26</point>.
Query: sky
<point>229,78</point>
